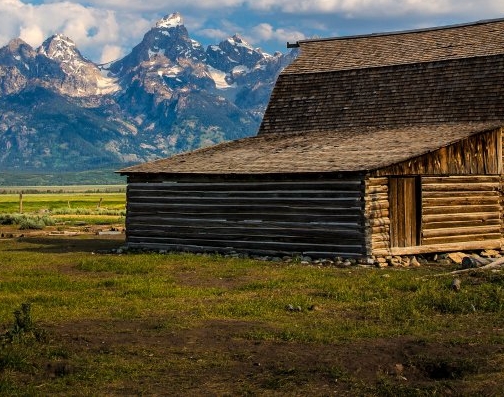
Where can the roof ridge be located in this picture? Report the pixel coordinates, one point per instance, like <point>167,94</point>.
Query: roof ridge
<point>398,32</point>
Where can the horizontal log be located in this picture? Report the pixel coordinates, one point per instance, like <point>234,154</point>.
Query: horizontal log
<point>377,206</point>
<point>377,213</point>
<point>459,200</point>
<point>250,216</point>
<point>460,209</point>
<point>381,251</point>
<point>267,223</point>
<point>452,187</point>
<point>450,247</point>
<point>370,190</point>
<point>443,194</point>
<point>460,239</point>
<point>243,208</point>
<point>456,179</point>
<point>380,237</point>
<point>321,228</point>
<point>377,197</point>
<point>252,237</point>
<point>245,186</point>
<point>247,227</point>
<point>468,223</point>
<point>312,201</point>
<point>380,245</point>
<point>456,217</point>
<point>459,231</point>
<point>378,221</point>
<point>145,194</point>
<point>271,245</point>
<point>376,181</point>
<point>379,229</point>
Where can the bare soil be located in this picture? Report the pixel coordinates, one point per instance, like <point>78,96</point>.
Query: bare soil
<point>215,359</point>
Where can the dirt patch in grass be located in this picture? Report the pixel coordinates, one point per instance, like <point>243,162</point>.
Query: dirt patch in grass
<point>72,239</point>
<point>215,359</point>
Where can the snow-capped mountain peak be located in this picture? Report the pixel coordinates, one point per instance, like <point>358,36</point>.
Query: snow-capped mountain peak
<point>59,47</point>
<point>169,94</point>
<point>237,40</point>
<point>170,21</point>
<point>83,77</point>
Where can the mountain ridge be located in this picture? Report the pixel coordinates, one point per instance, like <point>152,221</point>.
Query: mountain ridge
<point>61,112</point>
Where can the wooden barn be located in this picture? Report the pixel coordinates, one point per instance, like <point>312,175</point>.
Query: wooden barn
<point>371,145</point>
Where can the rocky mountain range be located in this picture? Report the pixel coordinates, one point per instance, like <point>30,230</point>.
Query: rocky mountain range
<point>61,112</point>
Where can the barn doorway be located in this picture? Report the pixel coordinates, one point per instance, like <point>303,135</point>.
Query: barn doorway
<point>405,211</point>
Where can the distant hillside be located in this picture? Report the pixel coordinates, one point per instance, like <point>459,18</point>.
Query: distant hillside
<point>104,176</point>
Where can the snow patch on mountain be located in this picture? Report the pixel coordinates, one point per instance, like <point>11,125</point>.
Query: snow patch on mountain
<point>219,77</point>
<point>170,21</point>
<point>106,85</point>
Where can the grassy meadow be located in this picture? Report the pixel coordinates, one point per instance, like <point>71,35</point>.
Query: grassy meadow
<point>57,205</point>
<point>90,322</point>
<point>79,319</point>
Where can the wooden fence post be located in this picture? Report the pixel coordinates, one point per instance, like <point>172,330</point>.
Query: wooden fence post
<point>21,202</point>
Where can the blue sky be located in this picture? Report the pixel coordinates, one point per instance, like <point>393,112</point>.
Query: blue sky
<point>105,30</point>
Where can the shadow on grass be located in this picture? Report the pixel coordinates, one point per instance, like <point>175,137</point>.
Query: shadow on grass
<point>56,244</point>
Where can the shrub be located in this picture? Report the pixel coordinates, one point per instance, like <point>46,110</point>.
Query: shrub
<point>26,222</point>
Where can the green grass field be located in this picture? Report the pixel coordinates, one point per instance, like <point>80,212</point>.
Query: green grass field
<point>51,202</point>
<point>179,324</point>
<point>75,205</point>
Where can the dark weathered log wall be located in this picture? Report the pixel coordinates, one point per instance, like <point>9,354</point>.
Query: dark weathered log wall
<point>319,219</point>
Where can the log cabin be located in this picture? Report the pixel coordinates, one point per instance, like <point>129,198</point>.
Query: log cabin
<point>371,145</point>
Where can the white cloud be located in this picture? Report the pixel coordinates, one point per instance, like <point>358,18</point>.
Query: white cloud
<point>108,28</point>
<point>111,53</point>
<point>90,28</point>
<point>160,5</point>
<point>31,34</point>
<point>379,8</point>
<point>214,34</point>
<point>266,32</point>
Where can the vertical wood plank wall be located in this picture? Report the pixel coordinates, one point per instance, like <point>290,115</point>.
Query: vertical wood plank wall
<point>320,219</point>
<point>478,155</point>
<point>404,199</point>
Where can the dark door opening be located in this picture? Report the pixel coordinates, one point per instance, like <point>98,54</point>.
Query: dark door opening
<point>405,211</point>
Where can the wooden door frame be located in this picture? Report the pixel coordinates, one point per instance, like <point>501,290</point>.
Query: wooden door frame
<point>405,230</point>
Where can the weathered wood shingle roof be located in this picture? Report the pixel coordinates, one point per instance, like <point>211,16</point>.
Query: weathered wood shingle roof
<point>348,150</point>
<point>482,38</point>
<point>431,76</point>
